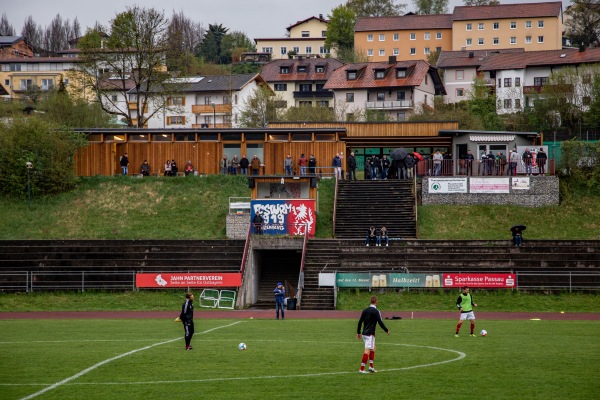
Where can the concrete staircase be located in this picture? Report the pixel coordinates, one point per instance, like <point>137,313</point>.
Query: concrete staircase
<point>361,204</point>
<point>321,256</point>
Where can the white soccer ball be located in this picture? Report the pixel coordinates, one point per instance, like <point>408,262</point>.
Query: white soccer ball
<point>483,332</point>
<point>242,346</point>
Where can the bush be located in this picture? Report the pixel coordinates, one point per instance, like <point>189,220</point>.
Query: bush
<point>580,166</point>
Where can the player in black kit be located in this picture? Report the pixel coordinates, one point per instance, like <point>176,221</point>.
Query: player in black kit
<point>187,318</point>
<point>370,317</point>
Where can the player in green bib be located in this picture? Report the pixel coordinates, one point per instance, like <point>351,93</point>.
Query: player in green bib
<point>465,304</point>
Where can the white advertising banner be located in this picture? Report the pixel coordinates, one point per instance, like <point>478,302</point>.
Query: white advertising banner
<point>489,185</point>
<point>447,185</point>
<point>520,183</point>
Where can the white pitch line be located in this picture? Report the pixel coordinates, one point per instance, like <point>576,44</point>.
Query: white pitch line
<point>93,367</point>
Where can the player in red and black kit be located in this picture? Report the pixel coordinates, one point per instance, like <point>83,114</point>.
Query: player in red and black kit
<point>370,317</point>
<point>187,318</point>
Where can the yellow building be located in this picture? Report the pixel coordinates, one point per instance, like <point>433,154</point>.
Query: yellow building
<point>408,37</point>
<point>532,26</point>
<point>305,38</point>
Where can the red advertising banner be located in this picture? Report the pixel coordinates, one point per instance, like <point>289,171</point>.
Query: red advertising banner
<point>479,280</point>
<point>210,279</point>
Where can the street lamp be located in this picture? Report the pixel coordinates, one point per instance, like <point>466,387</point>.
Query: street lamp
<point>213,105</point>
<point>29,166</point>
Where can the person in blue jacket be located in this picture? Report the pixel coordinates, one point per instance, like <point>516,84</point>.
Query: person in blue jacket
<point>279,299</point>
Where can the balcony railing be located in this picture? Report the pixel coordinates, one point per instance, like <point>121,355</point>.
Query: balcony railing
<point>133,106</point>
<point>208,109</point>
<point>201,126</point>
<point>389,105</point>
<point>321,94</point>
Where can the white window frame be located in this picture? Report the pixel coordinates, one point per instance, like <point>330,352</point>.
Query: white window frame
<point>469,27</point>
<point>308,49</point>
<point>413,36</point>
<point>381,52</point>
<point>496,26</point>
<point>369,52</point>
<point>480,42</point>
<point>427,51</point>
<point>496,41</point>
<point>459,74</point>
<point>438,36</point>
<point>469,42</point>
<point>528,39</point>
<point>513,40</point>
<point>540,39</point>
<point>528,25</point>
<point>370,37</point>
<point>413,51</point>
<point>480,26</point>
<point>427,36</point>
<point>283,51</point>
<point>513,25</point>
<point>396,37</point>
<point>382,37</point>
<point>396,51</point>
<point>540,24</point>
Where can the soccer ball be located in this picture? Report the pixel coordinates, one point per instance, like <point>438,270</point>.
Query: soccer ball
<point>483,332</point>
<point>242,346</point>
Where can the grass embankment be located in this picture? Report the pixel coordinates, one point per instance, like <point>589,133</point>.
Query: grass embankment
<point>438,300</point>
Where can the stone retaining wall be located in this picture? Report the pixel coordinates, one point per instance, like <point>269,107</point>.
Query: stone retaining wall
<point>237,226</point>
<point>542,191</point>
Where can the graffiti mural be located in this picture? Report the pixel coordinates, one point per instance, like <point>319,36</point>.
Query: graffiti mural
<point>285,217</point>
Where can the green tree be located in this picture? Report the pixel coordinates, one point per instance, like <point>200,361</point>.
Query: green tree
<point>234,44</point>
<point>340,32</point>
<point>210,48</point>
<point>482,104</point>
<point>183,36</point>
<point>592,116</point>
<point>375,8</point>
<point>131,58</point>
<point>306,114</point>
<point>48,148</point>
<point>481,2</point>
<point>442,111</point>
<point>583,26</point>
<point>259,108</point>
<point>427,7</point>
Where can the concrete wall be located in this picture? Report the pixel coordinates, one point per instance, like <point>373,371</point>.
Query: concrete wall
<point>542,191</point>
<point>237,225</point>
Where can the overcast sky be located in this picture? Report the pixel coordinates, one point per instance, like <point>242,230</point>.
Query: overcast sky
<point>256,18</point>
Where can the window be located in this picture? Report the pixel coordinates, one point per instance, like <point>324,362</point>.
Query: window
<point>480,41</point>
<point>113,98</point>
<point>380,96</point>
<point>499,82</point>
<point>400,96</point>
<point>400,73</point>
<point>496,26</point>
<point>14,67</point>
<point>587,79</point>
<point>47,84</point>
<point>302,69</point>
<point>176,101</point>
<point>296,49</point>
<point>382,37</point>
<point>513,25</point>
<point>528,39</point>
<point>370,53</point>
<point>176,120</point>
<point>401,116</point>
<point>319,87</point>
<point>280,87</point>
<point>427,79</point>
<point>379,74</point>
<point>413,51</point>
<point>323,33</point>
<point>305,34</point>
<point>351,75</point>
<point>527,24</point>
<point>305,87</point>
<point>396,51</point>
<point>284,70</point>
<point>7,82</point>
<point>517,82</point>
<point>207,100</point>
<point>460,74</point>
<point>518,103</point>
<point>323,103</point>
<point>66,82</point>
<point>324,50</point>
<point>283,51</point>
<point>438,35</point>
<point>540,24</point>
<point>586,100</point>
<point>513,40</point>
<point>540,39</point>
<point>382,52</point>
<point>496,41</point>
<point>413,36</point>
<point>305,103</point>
<point>507,103</point>
<point>540,81</point>
<point>267,50</point>
<point>427,36</point>
<point>469,42</point>
<point>469,27</point>
<point>507,82</point>
<point>427,51</point>
<point>319,69</point>
<point>370,37</point>
<point>349,97</point>
<point>460,92</point>
<point>480,26</point>
<point>308,50</point>
<point>438,49</point>
<point>26,84</point>
<point>396,37</point>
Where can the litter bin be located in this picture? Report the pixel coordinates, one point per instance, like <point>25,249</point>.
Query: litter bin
<point>291,304</point>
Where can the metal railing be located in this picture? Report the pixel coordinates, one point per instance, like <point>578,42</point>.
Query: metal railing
<point>301,275</point>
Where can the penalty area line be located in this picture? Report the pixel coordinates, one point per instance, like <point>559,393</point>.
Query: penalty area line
<point>101,363</point>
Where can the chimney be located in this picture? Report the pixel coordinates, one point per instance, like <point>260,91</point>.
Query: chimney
<point>471,54</point>
<point>392,60</point>
<point>320,16</point>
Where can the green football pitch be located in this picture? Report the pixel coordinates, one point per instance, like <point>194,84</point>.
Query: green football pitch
<point>297,359</point>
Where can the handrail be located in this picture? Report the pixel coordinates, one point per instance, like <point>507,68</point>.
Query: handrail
<point>241,297</point>
<point>416,204</point>
<point>334,207</point>
<point>301,276</point>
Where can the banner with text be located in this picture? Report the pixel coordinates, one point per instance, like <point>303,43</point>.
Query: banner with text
<point>479,280</point>
<point>489,185</point>
<point>285,217</point>
<point>447,185</point>
<point>210,279</point>
<point>381,279</point>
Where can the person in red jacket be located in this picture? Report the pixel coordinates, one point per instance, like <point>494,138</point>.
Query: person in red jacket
<point>302,164</point>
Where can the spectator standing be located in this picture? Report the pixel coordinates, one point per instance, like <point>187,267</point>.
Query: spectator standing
<point>168,169</point>
<point>483,163</point>
<point>527,161</point>
<point>514,160</point>
<point>234,164</point>
<point>337,166</point>
<point>406,169</point>
<point>312,165</point>
<point>302,164</point>
<point>374,166</point>
<point>145,168</point>
<point>124,164</point>
<point>371,236</point>
<point>223,164</point>
<point>279,300</point>
<point>189,168</point>
<point>288,163</point>
<point>491,160</point>
<point>257,222</point>
<point>383,236</point>
<point>465,305</point>
<point>500,163</point>
<point>351,167</point>
<point>542,157</point>
<point>370,317</point>
<point>437,163</point>
<point>187,318</point>
<point>244,164</point>
<point>255,165</point>
<point>385,166</point>
<point>469,162</point>
<point>342,172</point>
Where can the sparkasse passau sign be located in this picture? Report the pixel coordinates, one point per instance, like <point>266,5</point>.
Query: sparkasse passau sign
<point>210,279</point>
<point>433,280</point>
<point>480,280</point>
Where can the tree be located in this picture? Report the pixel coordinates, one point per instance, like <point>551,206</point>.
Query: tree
<point>340,31</point>
<point>56,36</point>
<point>482,104</point>
<point>583,26</point>
<point>183,35</point>
<point>375,8</point>
<point>259,108</point>
<point>481,2</point>
<point>592,116</point>
<point>448,112</point>
<point>34,34</point>
<point>306,114</point>
<point>132,58</point>
<point>234,44</point>
<point>428,7</point>
<point>6,29</point>
<point>210,48</point>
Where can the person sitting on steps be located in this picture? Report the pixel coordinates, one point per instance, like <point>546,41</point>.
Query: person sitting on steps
<point>383,235</point>
<point>371,236</point>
